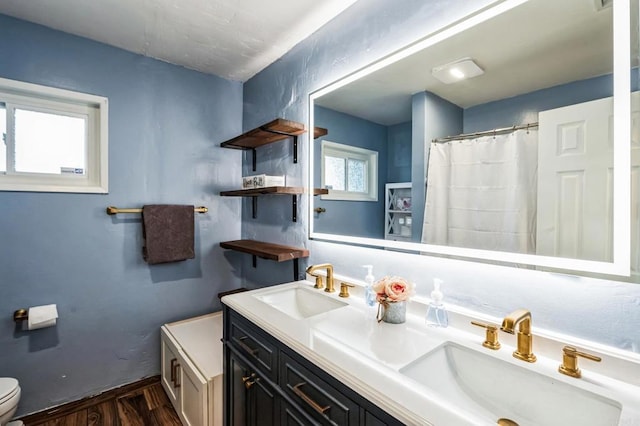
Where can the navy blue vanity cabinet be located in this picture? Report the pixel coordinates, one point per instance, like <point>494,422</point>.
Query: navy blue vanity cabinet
<point>268,383</point>
<point>254,401</point>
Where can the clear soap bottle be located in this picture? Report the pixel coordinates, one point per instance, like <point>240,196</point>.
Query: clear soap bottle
<point>436,313</point>
<point>369,294</point>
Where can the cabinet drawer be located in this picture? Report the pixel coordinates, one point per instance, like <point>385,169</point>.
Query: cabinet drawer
<point>255,344</point>
<point>291,416</point>
<point>315,396</point>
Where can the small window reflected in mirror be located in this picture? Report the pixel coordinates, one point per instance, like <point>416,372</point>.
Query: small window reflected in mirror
<point>349,172</point>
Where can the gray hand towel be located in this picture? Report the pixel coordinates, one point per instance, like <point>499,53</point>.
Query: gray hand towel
<point>168,233</point>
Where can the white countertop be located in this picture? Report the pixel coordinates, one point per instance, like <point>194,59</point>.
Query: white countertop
<point>366,356</point>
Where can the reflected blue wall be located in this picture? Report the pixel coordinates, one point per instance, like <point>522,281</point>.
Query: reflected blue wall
<point>165,125</point>
<point>355,218</point>
<point>399,147</point>
<point>524,109</point>
<point>432,118</point>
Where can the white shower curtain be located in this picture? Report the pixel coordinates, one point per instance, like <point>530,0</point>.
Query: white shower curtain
<point>481,193</point>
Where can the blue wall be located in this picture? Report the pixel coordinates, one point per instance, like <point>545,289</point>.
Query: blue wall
<point>165,125</point>
<point>524,109</point>
<point>354,218</point>
<point>432,117</point>
<point>399,149</point>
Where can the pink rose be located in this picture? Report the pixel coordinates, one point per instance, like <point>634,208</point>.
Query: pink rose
<point>393,289</point>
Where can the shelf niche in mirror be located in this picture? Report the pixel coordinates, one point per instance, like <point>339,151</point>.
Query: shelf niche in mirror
<point>540,196</point>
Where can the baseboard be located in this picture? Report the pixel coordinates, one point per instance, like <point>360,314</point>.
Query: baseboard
<point>70,407</point>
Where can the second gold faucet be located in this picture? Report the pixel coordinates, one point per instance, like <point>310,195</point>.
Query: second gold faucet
<point>313,268</point>
<point>525,339</point>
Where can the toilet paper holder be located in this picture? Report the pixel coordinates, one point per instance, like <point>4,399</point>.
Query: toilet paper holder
<point>21,315</point>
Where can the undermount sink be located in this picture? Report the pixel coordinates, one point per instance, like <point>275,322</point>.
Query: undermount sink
<point>491,389</point>
<point>300,302</point>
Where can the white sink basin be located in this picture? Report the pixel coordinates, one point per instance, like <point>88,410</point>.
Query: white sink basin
<point>300,302</point>
<point>490,388</point>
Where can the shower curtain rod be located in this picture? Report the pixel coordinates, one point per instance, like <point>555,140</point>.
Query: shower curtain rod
<point>485,133</point>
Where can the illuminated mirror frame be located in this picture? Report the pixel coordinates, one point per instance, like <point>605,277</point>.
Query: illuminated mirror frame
<point>621,158</point>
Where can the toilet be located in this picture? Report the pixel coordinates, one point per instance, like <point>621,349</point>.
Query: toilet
<point>9,397</point>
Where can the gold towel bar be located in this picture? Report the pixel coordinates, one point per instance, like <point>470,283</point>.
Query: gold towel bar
<point>114,210</point>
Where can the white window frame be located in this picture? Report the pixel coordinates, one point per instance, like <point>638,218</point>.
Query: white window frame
<point>339,150</point>
<point>94,109</point>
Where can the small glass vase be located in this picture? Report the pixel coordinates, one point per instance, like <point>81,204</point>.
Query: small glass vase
<point>393,312</point>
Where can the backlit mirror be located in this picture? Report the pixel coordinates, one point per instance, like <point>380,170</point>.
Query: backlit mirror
<point>503,137</point>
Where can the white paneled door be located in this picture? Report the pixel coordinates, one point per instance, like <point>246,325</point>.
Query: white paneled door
<point>575,181</point>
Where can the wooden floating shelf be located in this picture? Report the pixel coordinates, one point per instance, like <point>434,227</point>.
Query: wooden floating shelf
<point>319,131</point>
<point>271,190</point>
<point>271,132</point>
<point>269,251</point>
<point>294,191</point>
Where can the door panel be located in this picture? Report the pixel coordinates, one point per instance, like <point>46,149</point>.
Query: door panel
<point>575,154</point>
<point>193,394</point>
<point>169,358</point>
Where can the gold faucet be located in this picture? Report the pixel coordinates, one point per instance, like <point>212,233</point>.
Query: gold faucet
<point>525,339</point>
<point>311,269</point>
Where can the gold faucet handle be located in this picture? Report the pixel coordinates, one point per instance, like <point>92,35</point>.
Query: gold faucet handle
<point>570,361</point>
<point>318,282</point>
<point>491,338</point>
<point>344,289</point>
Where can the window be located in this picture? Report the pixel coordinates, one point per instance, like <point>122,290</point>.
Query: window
<point>53,140</point>
<point>350,173</point>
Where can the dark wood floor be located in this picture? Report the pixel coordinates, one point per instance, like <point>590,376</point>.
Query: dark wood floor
<point>142,403</point>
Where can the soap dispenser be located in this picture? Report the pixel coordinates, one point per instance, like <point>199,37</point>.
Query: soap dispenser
<point>436,313</point>
<point>370,295</point>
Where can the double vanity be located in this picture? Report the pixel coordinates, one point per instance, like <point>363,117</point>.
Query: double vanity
<point>300,355</point>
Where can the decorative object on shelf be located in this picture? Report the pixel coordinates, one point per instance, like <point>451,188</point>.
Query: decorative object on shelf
<point>392,294</point>
<point>262,181</point>
<point>403,203</point>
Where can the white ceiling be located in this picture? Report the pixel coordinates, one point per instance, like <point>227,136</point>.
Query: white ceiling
<point>540,44</point>
<point>234,39</point>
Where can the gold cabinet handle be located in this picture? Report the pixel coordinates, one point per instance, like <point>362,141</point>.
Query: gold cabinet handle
<point>249,380</point>
<point>306,398</point>
<point>319,210</point>
<point>491,337</point>
<point>344,289</point>
<point>176,384</point>
<point>569,364</point>
<point>173,370</point>
<point>246,347</point>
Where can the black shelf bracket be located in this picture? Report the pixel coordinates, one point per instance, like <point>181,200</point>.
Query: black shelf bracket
<point>295,142</point>
<point>295,150</point>
<point>296,266</point>
<point>253,158</point>
<point>294,205</point>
